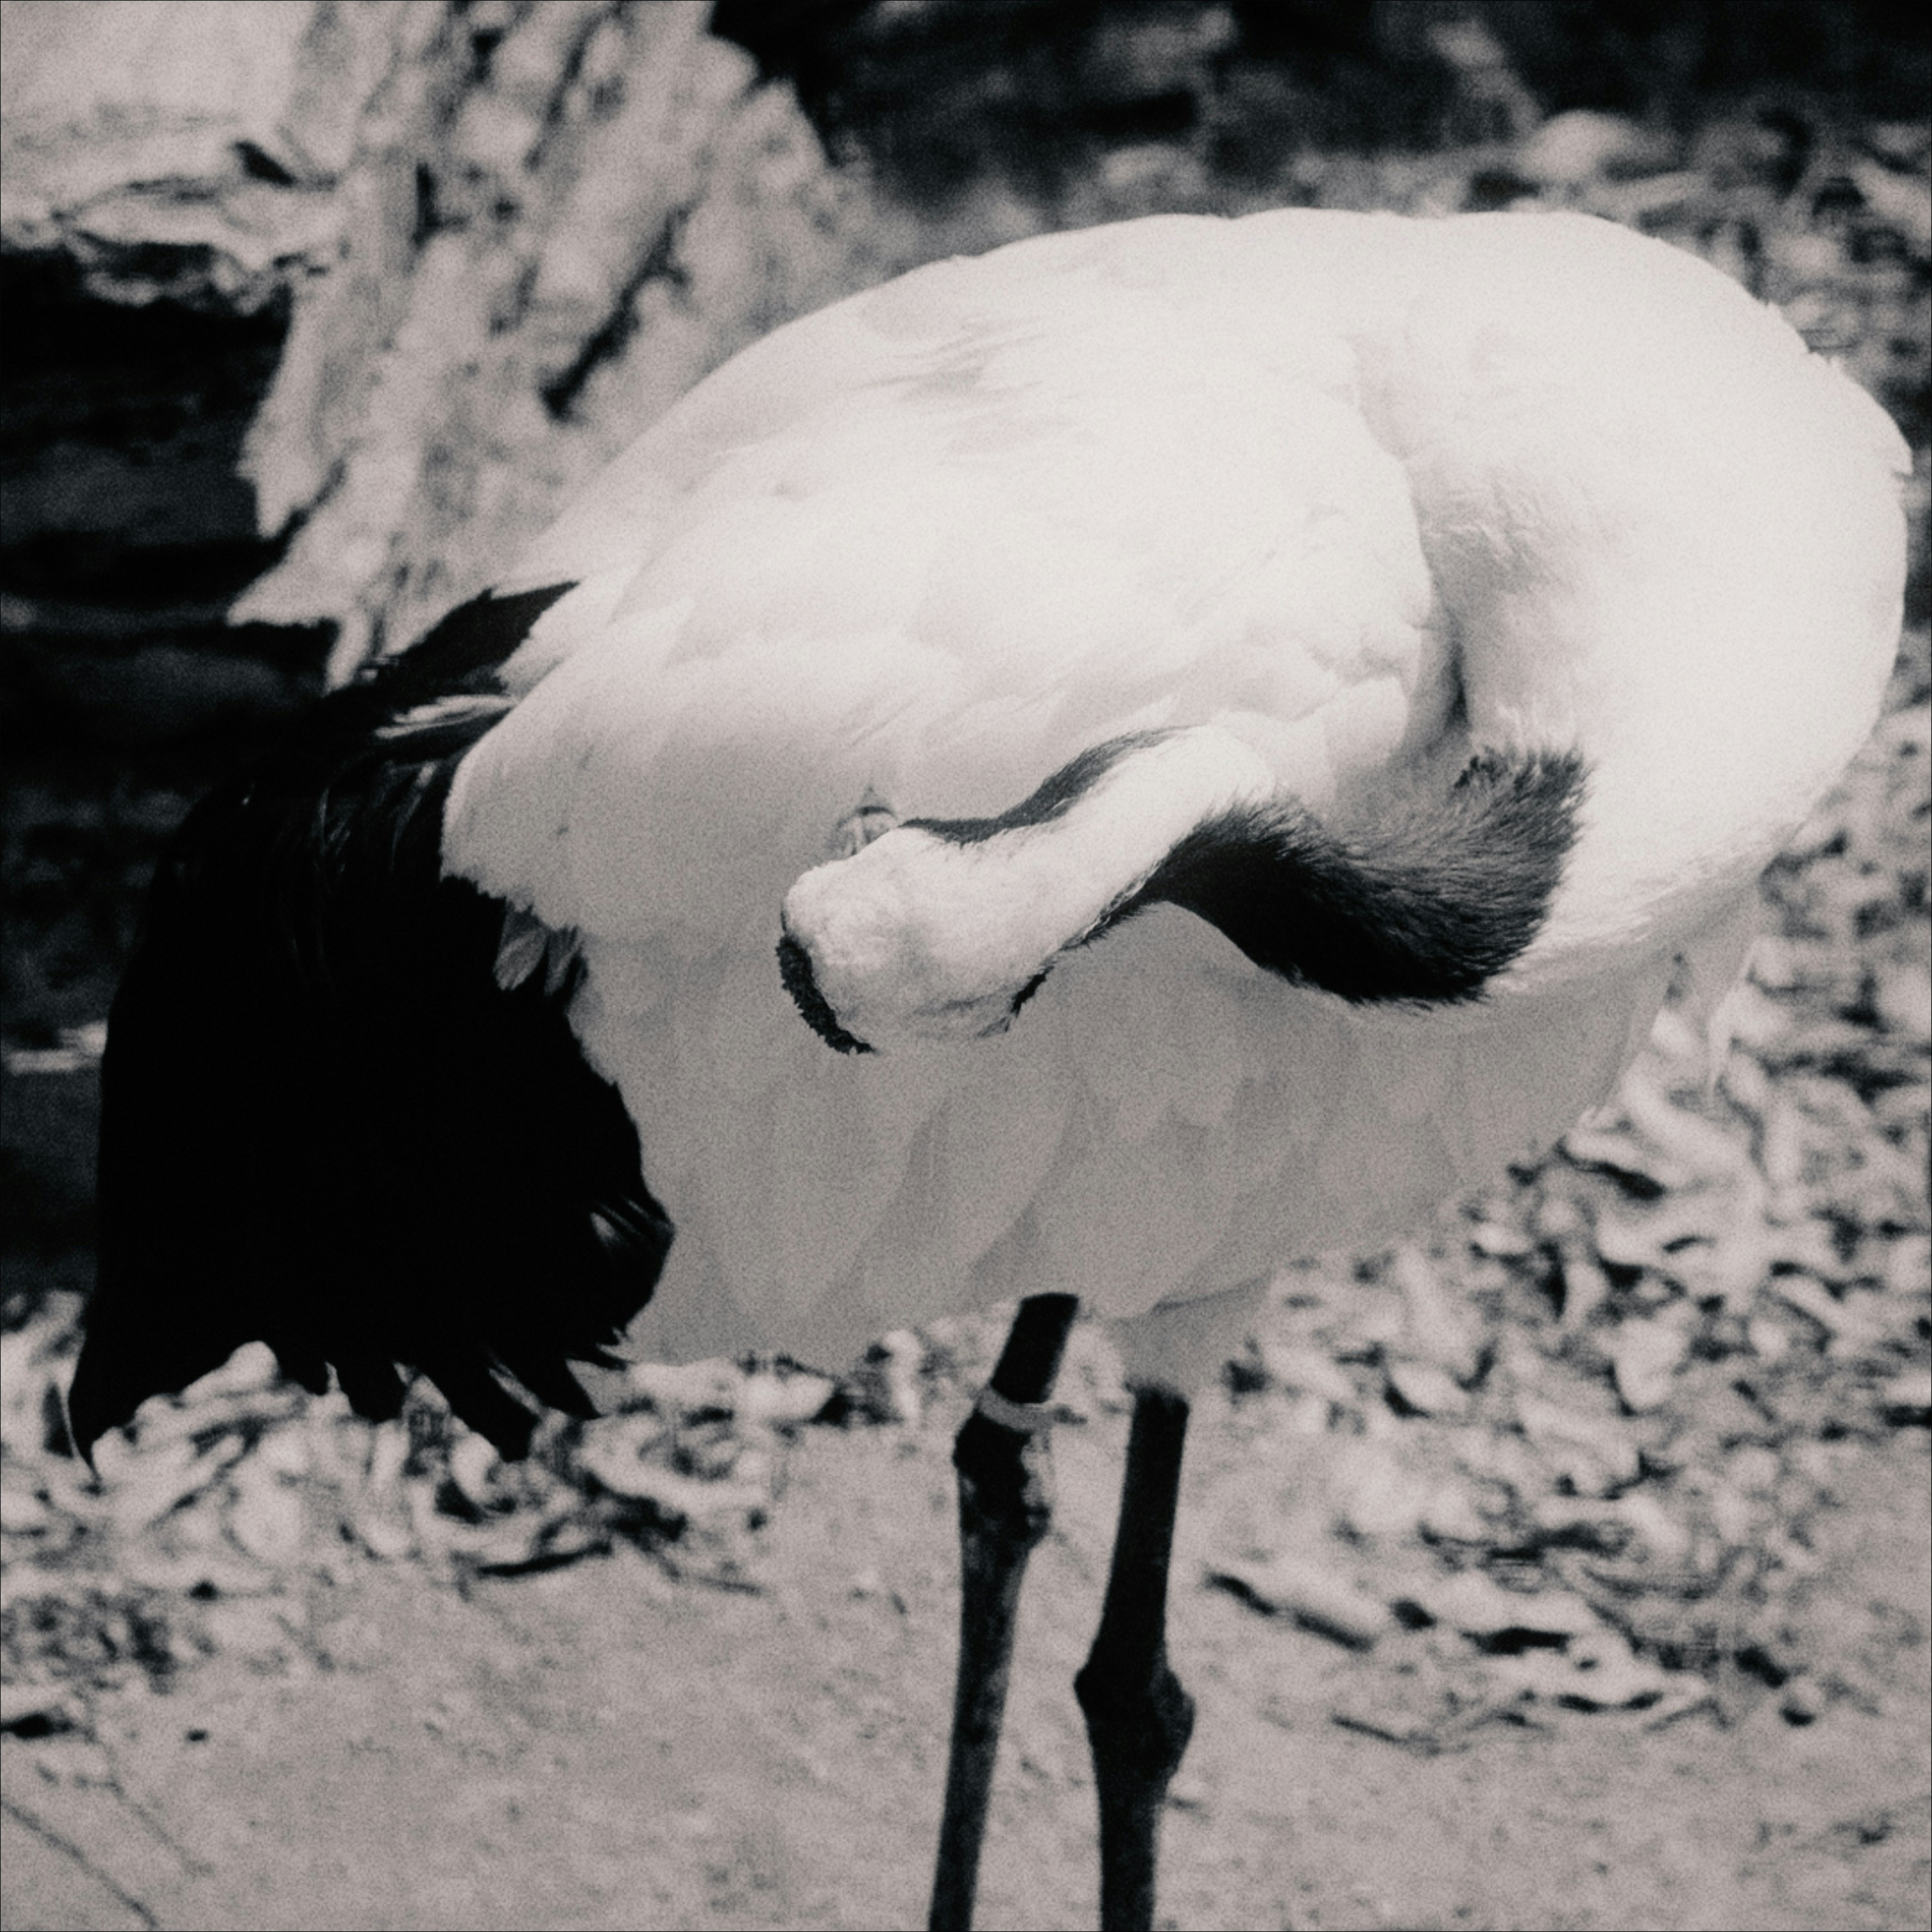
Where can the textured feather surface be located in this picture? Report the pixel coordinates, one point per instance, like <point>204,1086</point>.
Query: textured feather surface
<point>1366,492</point>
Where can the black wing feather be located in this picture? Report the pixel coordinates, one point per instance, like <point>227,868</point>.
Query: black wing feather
<point>325,1125</point>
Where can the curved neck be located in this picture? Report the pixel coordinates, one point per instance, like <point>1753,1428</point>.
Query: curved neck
<point>1069,859</point>
<point>1424,898</point>
<point>942,928</point>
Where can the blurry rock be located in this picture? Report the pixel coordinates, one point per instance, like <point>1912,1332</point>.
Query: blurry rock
<point>1611,1146</point>
<point>1601,1672</point>
<point>386,1533</point>
<point>1672,1035</point>
<point>688,1388</point>
<point>1422,1388</point>
<point>37,1710</point>
<point>1736,1516</point>
<point>1477,1605</point>
<point>31,1414</point>
<point>251,1370</point>
<point>868,1586</point>
<point>710,1449</point>
<point>1091,1379</point>
<point>1306,1414</point>
<point>1492,103</point>
<point>1451,1511</point>
<point>1806,1245</point>
<point>140,1486</point>
<point>1576,146</point>
<point>1586,1287</point>
<point>505,1545</point>
<point>1645,1358</point>
<point>886,1385</point>
<point>1754,1469</point>
<point>1803,1701</point>
<point>388,1448</point>
<point>1899,200</point>
<point>1439,1327</point>
<point>1905,1269</point>
<point>1310,1595</point>
<point>249,1629</point>
<point>471,1462</point>
<point>22,1511</point>
<point>1307,1371</point>
<point>615,1452</point>
<point>1576,1523</point>
<point>689,1501</point>
<point>1689,1143</point>
<point>1502,1241</point>
<point>1630,1235</point>
<point>1902,995</point>
<point>1851,1323</point>
<point>784,1400</point>
<point>1376,1488</point>
<point>266,1518</point>
<point>245,1393</point>
<point>1595,1453</point>
<point>1906,1397</point>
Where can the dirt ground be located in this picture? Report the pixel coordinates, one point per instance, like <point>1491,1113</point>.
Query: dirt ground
<point>603,1745</point>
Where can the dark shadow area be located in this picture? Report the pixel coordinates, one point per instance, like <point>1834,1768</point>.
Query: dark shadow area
<point>942,96</point>
<point>126,531</point>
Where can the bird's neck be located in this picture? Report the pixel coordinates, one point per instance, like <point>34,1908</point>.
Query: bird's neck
<point>1423,896</point>
<point>940,929</point>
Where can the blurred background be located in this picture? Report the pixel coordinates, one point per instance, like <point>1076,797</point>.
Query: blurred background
<point>316,311</point>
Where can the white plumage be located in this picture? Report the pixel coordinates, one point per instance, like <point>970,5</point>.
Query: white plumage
<point>1367,495</point>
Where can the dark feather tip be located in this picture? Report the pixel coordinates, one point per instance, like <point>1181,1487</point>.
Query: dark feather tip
<point>795,970</point>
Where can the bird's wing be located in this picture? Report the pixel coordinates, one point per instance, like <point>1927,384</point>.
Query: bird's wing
<point>330,1119</point>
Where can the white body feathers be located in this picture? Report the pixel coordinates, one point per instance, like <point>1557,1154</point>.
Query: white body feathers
<point>1357,490</point>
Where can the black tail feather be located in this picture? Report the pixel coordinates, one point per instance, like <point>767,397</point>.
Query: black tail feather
<point>373,1388</point>
<point>324,1124</point>
<point>546,1377</point>
<point>481,1400</point>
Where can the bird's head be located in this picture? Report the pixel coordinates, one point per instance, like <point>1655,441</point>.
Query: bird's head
<point>912,940</point>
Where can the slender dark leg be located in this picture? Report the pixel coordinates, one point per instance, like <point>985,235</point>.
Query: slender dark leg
<point>1003,1511</point>
<point>1139,1718</point>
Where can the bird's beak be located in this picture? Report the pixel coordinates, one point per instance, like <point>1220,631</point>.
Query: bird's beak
<point>871,818</point>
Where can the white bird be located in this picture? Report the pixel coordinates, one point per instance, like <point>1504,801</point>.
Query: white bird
<point>1079,774</point>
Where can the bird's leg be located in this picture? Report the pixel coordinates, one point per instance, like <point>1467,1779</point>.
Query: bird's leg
<point>1139,1718</point>
<point>1001,1456</point>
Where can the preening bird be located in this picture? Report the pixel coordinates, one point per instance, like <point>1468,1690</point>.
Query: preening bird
<point>1081,775</point>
